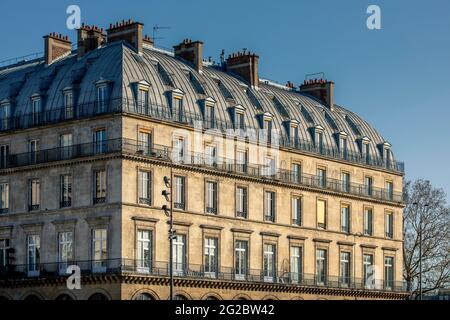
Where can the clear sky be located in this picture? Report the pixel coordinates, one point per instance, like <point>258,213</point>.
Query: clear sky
<point>397,78</point>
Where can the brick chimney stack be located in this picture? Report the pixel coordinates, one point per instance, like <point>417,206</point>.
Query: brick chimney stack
<point>245,65</point>
<point>320,89</point>
<point>129,31</point>
<point>56,46</point>
<point>89,39</point>
<point>191,51</point>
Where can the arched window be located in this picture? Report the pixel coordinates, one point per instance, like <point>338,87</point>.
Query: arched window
<point>180,297</point>
<point>64,297</point>
<point>211,298</point>
<point>32,297</point>
<point>144,296</point>
<point>98,297</point>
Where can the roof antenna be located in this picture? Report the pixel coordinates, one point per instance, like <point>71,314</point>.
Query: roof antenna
<point>222,58</point>
<point>156,29</point>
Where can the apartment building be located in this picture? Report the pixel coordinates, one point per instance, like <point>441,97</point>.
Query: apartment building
<point>278,192</point>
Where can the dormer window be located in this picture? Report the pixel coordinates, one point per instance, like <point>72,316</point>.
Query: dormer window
<point>36,106</point>
<point>142,97</point>
<point>209,117</point>
<point>237,114</point>
<point>102,94</point>
<point>266,125</point>
<point>5,114</point>
<point>68,103</point>
<point>177,105</point>
<point>385,149</point>
<point>319,138</point>
<point>365,149</point>
<point>343,144</point>
<point>292,129</point>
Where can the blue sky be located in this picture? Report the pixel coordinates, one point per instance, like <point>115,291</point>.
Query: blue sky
<point>397,78</point>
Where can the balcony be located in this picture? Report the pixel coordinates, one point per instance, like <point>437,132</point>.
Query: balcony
<point>165,153</point>
<point>130,106</point>
<point>200,272</point>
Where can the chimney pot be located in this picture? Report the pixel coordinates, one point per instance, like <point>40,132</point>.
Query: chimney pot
<point>245,64</point>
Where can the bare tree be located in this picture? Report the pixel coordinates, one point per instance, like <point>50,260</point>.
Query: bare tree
<point>426,213</point>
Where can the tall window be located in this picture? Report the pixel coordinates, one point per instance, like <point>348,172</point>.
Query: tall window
<point>145,142</point>
<point>366,148</point>
<point>345,176</point>
<point>179,149</point>
<point>269,262</point>
<point>269,167</point>
<point>4,249</point>
<point>268,128</point>
<point>344,272</point>
<point>144,189</point>
<point>99,249</point>
<point>296,173</point>
<point>388,273</point>
<point>321,214</point>
<point>297,210</point>
<point>100,186</point>
<point>321,266</point>
<point>240,121</point>
<point>389,190</point>
<point>345,218</point>
<point>293,135</point>
<point>4,155</point>
<point>368,184</point>
<point>241,259</point>
<point>211,155</point>
<point>368,221</point>
<point>66,190</point>
<point>389,225</point>
<point>319,141</point>
<point>4,198</point>
<point>68,105</point>
<point>241,202</point>
<point>296,264</point>
<point>144,250</point>
<point>33,255</point>
<point>102,98</point>
<point>33,150</point>
<point>143,101</point>
<point>343,147</point>
<point>209,117</point>
<point>5,114</point>
<point>211,257</point>
<point>179,254</point>
<point>211,197</point>
<point>180,192</point>
<point>65,143</point>
<point>241,161</point>
<point>100,141</point>
<point>34,194</point>
<point>368,271</point>
<point>65,251</point>
<point>36,109</point>
<point>269,206</point>
<point>178,109</point>
<point>321,178</point>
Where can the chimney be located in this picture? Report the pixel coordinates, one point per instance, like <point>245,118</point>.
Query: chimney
<point>245,65</point>
<point>89,39</point>
<point>320,89</point>
<point>129,31</point>
<point>191,51</point>
<point>148,41</point>
<point>56,46</point>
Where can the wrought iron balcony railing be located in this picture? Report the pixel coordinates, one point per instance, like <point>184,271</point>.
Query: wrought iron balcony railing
<point>131,106</point>
<point>194,271</point>
<point>132,147</point>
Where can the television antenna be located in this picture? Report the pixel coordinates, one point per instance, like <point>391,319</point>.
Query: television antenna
<point>156,29</point>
